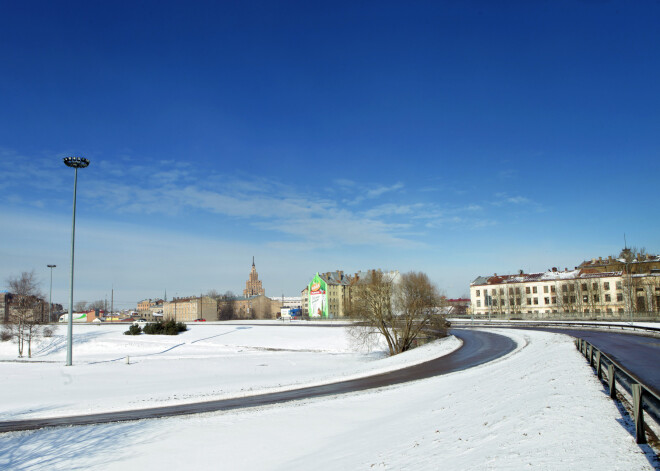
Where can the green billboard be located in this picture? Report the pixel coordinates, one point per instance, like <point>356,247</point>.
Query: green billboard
<point>318,297</point>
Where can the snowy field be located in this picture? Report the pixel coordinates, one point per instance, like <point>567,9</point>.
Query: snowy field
<point>540,407</point>
<point>209,361</point>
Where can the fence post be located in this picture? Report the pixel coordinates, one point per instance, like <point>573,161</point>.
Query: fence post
<point>591,355</point>
<point>599,374</point>
<point>611,380</point>
<point>638,413</point>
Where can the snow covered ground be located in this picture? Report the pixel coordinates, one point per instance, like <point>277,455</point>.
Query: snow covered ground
<point>209,361</point>
<point>540,407</point>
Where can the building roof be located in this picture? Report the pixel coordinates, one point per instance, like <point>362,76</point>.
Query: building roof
<point>542,276</point>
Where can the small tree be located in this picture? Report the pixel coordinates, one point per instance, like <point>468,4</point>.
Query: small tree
<point>26,312</point>
<point>398,308</point>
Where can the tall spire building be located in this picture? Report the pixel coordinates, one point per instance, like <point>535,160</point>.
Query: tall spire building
<point>253,284</point>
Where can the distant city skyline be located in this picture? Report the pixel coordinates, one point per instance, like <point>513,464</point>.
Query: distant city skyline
<point>455,138</point>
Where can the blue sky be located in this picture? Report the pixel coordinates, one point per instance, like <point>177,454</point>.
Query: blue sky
<point>455,138</point>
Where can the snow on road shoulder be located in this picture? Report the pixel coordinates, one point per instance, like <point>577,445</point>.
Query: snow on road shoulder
<point>539,408</point>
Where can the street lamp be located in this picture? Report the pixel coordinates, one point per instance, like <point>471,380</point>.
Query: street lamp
<point>50,300</point>
<point>76,163</point>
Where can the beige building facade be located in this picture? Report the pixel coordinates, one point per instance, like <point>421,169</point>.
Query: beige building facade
<point>191,309</point>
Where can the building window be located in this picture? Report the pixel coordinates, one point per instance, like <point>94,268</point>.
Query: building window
<point>609,310</point>
<point>536,300</point>
<point>534,289</point>
<point>586,311</point>
<point>545,289</point>
<point>554,300</point>
<point>518,301</point>
<point>501,291</point>
<point>594,286</point>
<point>553,289</point>
<point>620,311</point>
<point>546,300</point>
<point>571,287</point>
<point>606,285</point>
<point>510,291</point>
<point>585,299</point>
<point>619,285</point>
<point>527,290</point>
<point>529,301</point>
<point>596,298</point>
<point>619,297</point>
<point>572,299</point>
<point>608,298</point>
<point>478,293</point>
<point>478,302</point>
<point>584,286</point>
<point>517,290</point>
<point>564,288</point>
<point>494,302</point>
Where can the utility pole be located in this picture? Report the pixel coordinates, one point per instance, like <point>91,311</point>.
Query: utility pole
<point>50,300</point>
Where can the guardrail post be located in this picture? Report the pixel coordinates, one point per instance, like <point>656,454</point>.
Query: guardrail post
<point>611,380</point>
<point>591,355</point>
<point>638,413</point>
<point>599,374</point>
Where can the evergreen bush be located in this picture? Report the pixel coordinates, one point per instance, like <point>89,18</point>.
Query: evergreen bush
<point>169,327</point>
<point>133,330</point>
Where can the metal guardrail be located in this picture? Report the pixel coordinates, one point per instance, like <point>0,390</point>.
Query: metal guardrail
<point>611,373</point>
<point>565,324</point>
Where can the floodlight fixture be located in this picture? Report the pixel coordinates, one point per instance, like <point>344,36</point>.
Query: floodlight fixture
<point>76,162</point>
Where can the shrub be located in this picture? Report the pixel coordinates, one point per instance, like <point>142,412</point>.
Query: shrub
<point>133,330</point>
<point>169,327</point>
<point>48,332</point>
<point>5,336</point>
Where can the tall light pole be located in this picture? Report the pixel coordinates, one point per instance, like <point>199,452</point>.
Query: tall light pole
<point>75,163</point>
<point>50,299</point>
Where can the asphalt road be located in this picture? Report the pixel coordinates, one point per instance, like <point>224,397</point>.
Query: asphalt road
<point>478,347</point>
<point>639,354</point>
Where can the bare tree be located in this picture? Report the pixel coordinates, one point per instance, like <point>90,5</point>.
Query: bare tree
<point>100,305</point>
<point>80,306</point>
<point>226,306</point>
<point>398,308</point>
<point>26,314</point>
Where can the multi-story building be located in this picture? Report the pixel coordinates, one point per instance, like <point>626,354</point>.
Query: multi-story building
<point>580,293</point>
<point>5,302</point>
<point>257,307</point>
<point>627,262</point>
<point>253,284</point>
<point>191,309</point>
<point>148,308</point>
<point>329,293</point>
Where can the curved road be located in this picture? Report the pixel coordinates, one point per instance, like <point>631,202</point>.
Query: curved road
<point>478,347</point>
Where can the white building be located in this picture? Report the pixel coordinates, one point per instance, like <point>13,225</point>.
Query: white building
<point>577,293</point>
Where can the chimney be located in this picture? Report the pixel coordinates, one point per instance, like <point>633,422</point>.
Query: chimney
<point>554,269</point>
